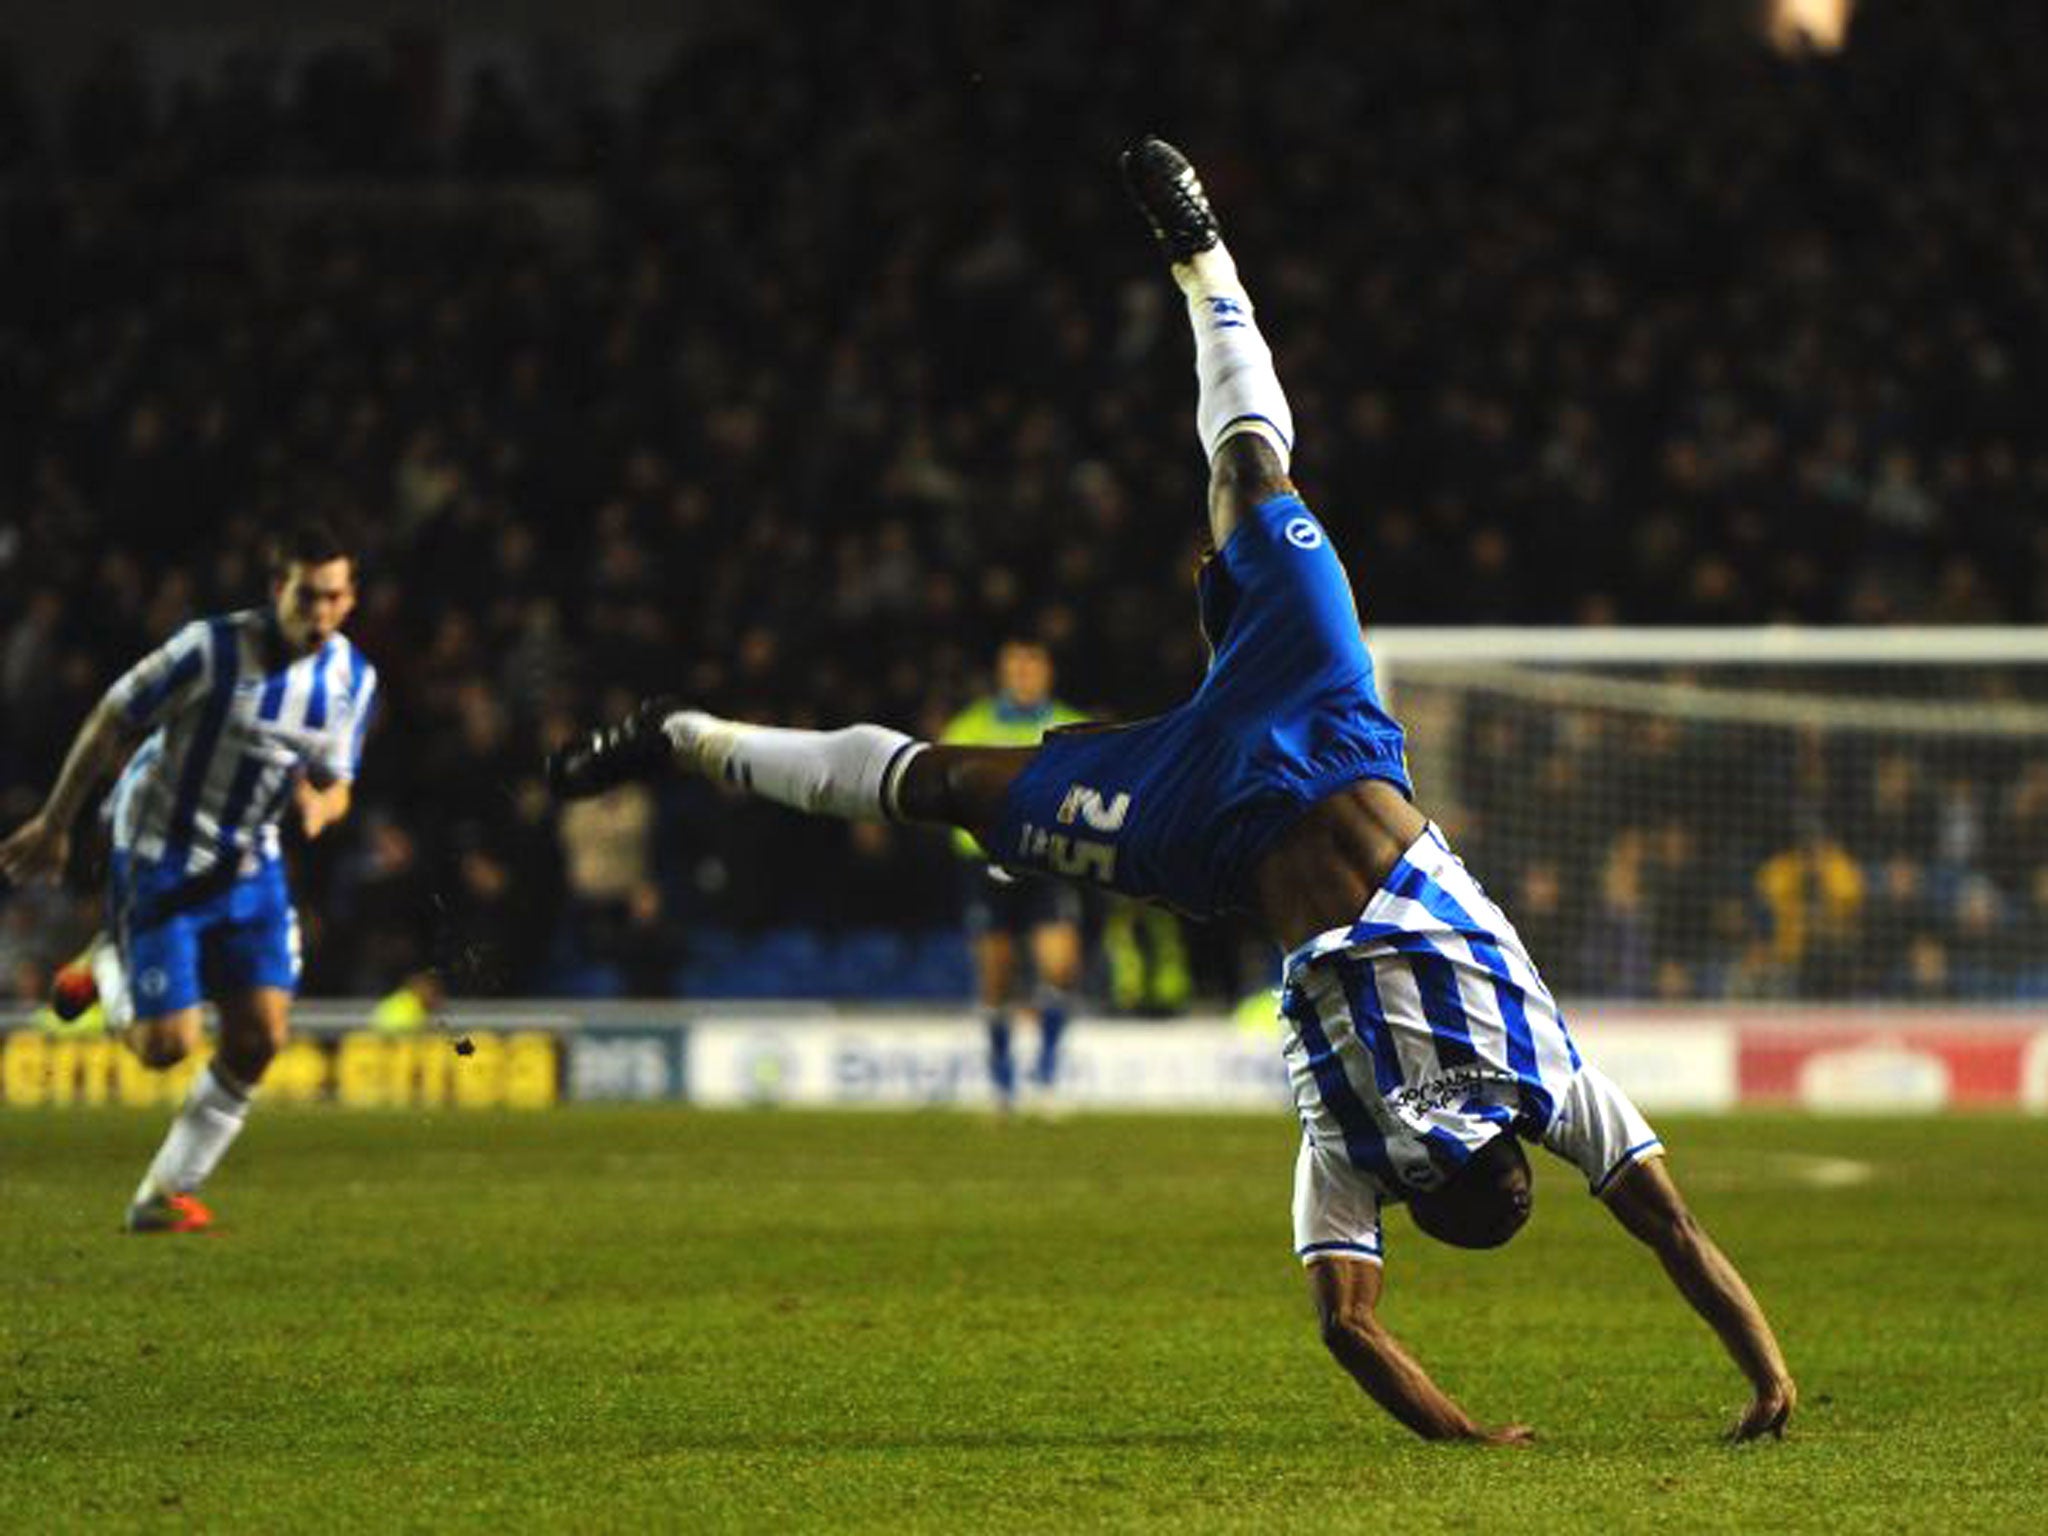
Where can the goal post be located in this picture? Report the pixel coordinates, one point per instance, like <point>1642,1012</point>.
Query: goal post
<point>1700,815</point>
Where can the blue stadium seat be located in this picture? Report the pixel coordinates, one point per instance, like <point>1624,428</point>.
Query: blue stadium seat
<point>586,979</point>
<point>941,967</point>
<point>867,963</point>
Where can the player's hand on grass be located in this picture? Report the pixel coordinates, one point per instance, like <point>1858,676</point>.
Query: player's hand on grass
<point>1505,1434</point>
<point>1767,1413</point>
<point>34,850</point>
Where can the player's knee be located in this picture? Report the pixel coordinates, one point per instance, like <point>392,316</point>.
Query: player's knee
<point>159,1047</point>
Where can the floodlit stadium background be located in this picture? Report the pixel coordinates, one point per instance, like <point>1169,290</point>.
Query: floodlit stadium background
<point>649,352</point>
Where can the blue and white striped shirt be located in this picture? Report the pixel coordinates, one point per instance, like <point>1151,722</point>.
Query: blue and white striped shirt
<point>232,723</point>
<point>1423,1030</point>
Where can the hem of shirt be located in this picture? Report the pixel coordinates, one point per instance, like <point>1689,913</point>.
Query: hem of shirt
<point>1355,1253</point>
<point>1628,1159</point>
<point>1332,940</point>
<point>1258,510</point>
<point>1307,794</point>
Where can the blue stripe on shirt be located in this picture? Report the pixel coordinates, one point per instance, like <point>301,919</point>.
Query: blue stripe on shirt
<point>1626,1160</point>
<point>365,707</point>
<point>199,756</point>
<point>1365,1250</point>
<point>231,811</point>
<point>1436,980</point>
<point>149,700</point>
<point>1447,1151</point>
<point>1507,993</point>
<point>1369,1022</point>
<point>316,703</point>
<point>1363,1143</point>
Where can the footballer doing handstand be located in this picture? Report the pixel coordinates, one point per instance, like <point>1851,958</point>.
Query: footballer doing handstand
<point>1421,1044</point>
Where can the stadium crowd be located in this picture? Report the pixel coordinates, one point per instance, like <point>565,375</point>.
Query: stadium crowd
<point>828,378</point>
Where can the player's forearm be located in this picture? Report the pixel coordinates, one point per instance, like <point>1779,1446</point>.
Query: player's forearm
<point>94,753</point>
<point>1716,1290</point>
<point>1395,1380</point>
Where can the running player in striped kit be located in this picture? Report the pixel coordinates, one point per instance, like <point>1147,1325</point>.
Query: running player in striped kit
<point>239,718</point>
<point>1422,1045</point>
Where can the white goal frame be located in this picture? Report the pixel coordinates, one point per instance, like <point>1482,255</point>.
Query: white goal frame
<point>1394,646</point>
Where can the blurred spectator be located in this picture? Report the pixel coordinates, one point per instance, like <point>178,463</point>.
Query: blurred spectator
<point>1812,895</point>
<point>606,852</point>
<point>833,376</point>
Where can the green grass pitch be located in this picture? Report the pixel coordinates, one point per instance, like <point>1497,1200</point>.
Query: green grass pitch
<point>663,1319</point>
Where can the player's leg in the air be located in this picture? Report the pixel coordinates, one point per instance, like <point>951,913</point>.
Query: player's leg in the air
<point>860,773</point>
<point>869,771</point>
<point>94,975</point>
<point>1241,414</point>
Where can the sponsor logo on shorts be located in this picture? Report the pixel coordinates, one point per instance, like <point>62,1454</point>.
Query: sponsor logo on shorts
<point>1080,857</point>
<point>1303,533</point>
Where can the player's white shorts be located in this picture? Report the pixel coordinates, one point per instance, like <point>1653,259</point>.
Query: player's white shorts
<point>1596,1127</point>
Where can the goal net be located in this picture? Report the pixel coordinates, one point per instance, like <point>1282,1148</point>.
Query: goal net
<point>1696,815</point>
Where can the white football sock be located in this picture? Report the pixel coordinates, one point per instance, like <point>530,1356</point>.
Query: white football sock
<point>852,774</point>
<point>210,1119</point>
<point>1240,392</point>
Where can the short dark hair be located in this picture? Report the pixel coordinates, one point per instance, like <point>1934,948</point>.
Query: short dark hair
<point>1484,1203</point>
<point>307,541</point>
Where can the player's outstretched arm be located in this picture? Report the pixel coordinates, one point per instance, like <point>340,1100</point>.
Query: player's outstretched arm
<point>1648,1204</point>
<point>39,845</point>
<point>1347,1298</point>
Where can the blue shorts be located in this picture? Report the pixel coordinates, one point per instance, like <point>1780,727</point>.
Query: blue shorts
<point>1180,808</point>
<point>1017,906</point>
<point>185,937</point>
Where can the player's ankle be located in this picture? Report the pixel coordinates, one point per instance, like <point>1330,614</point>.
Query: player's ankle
<point>1208,272</point>
<point>701,742</point>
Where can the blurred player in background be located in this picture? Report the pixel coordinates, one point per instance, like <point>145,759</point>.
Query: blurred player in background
<point>239,718</point>
<point>1008,913</point>
<point>1421,1042</point>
